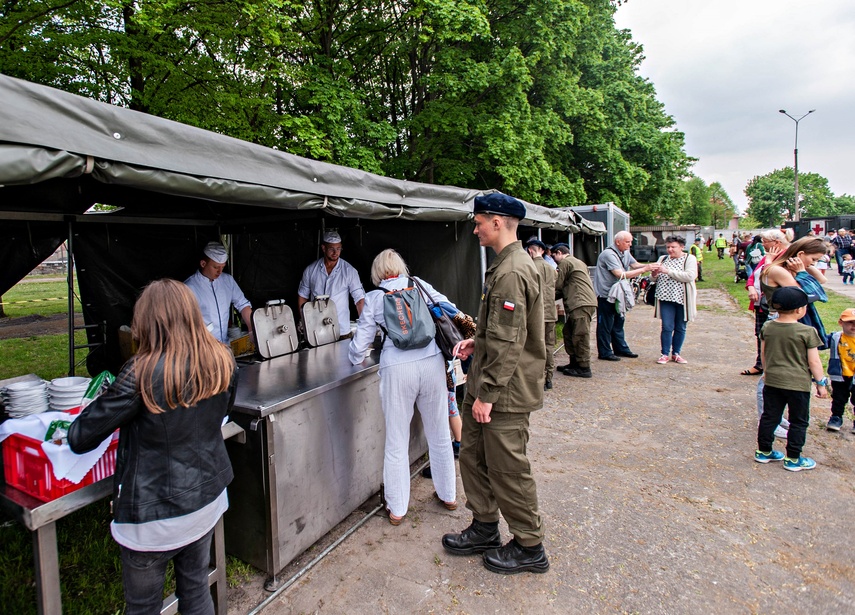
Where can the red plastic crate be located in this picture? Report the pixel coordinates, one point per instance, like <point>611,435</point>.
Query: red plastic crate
<point>28,469</point>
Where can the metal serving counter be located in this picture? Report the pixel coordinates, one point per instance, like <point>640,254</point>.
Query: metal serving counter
<point>313,451</point>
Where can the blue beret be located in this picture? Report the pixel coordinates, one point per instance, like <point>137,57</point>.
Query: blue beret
<point>561,246</point>
<point>501,204</point>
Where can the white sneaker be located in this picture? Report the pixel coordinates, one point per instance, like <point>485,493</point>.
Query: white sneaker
<point>780,432</point>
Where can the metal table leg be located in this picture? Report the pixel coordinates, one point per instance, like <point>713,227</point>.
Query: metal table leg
<point>48,596</point>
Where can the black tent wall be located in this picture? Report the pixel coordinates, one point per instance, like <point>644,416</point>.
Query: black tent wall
<point>115,262</point>
<point>23,245</point>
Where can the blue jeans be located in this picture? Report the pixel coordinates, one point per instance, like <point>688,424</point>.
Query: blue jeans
<point>673,327</point>
<point>609,330</point>
<point>838,256</point>
<point>143,574</point>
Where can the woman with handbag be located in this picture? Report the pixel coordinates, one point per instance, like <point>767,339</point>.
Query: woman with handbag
<point>407,377</point>
<point>168,403</point>
<point>675,297</point>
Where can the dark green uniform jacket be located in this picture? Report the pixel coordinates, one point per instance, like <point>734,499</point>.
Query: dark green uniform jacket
<point>574,283</point>
<point>509,358</point>
<point>547,274</point>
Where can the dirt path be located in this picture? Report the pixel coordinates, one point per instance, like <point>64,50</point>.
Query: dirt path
<point>36,325</point>
<point>651,500</point>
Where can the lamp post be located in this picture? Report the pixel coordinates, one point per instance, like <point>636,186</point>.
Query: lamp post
<point>796,214</point>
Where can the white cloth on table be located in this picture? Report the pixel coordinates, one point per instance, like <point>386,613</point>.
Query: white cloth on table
<point>64,463</point>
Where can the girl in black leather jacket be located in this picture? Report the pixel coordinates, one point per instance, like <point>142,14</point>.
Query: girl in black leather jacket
<point>172,469</point>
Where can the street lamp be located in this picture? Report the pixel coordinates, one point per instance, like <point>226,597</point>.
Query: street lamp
<point>796,215</point>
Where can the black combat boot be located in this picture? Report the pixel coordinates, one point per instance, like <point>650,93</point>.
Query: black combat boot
<point>476,538</point>
<point>579,372</point>
<point>514,558</point>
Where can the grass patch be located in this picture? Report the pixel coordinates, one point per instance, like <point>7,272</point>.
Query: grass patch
<point>719,274</point>
<point>38,297</point>
<point>45,356</point>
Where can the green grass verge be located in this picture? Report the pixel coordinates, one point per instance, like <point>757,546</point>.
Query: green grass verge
<point>37,297</point>
<point>719,274</point>
<point>45,356</point>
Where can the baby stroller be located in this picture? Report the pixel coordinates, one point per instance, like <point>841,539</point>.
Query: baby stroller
<point>741,272</point>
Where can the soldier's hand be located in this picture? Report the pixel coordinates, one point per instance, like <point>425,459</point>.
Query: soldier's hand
<point>481,411</point>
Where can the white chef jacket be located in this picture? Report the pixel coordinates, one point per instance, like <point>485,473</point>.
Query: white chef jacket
<point>343,281</point>
<point>215,298</point>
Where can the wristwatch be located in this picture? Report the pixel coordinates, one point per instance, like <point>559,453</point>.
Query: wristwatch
<point>823,382</point>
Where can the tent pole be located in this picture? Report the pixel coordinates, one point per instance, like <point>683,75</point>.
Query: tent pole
<point>70,280</point>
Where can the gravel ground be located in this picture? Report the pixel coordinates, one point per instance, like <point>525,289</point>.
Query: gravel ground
<point>651,499</point>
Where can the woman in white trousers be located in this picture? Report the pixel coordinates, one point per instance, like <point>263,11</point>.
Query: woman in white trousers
<point>408,378</point>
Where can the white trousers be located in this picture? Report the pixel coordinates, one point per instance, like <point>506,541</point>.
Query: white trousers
<point>403,385</point>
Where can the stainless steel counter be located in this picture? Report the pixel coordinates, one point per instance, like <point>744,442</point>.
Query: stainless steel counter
<point>313,452</point>
<point>271,386</point>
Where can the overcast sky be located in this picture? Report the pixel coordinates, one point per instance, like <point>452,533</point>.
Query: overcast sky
<point>723,68</point>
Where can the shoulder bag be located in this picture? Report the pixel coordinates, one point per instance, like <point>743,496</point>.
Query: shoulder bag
<point>650,297</point>
<point>447,333</point>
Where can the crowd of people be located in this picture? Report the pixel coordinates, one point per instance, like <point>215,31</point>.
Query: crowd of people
<point>181,383</point>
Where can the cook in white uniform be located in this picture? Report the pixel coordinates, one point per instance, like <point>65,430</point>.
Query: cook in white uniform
<point>333,276</point>
<point>217,292</point>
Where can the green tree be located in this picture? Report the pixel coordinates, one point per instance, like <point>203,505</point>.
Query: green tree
<point>541,99</point>
<point>771,196</point>
<point>698,208</point>
<point>844,204</point>
<point>722,208</point>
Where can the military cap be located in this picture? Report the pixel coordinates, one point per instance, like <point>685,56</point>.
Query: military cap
<point>500,204</point>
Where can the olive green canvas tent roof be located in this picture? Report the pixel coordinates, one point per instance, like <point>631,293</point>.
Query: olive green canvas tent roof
<point>47,134</point>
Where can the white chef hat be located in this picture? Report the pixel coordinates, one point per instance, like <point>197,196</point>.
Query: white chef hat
<point>216,252</point>
<point>331,237</point>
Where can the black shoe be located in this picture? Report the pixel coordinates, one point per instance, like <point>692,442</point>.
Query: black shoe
<point>476,538</point>
<point>426,472</point>
<point>514,558</point>
<point>547,386</point>
<point>628,355</point>
<point>579,372</point>
<point>570,365</point>
<point>610,357</point>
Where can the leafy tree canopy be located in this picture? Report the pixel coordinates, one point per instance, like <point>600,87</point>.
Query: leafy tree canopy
<point>771,197</point>
<point>541,99</point>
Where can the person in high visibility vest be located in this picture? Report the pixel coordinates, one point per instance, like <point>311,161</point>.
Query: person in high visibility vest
<point>698,252</point>
<point>720,245</point>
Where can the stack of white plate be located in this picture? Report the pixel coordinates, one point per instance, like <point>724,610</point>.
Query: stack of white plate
<point>67,393</point>
<point>25,398</point>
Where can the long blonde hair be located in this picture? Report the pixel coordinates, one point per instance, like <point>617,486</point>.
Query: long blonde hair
<point>169,327</point>
<point>808,245</point>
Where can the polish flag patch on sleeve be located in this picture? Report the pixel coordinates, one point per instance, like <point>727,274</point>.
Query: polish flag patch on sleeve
<point>509,306</point>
